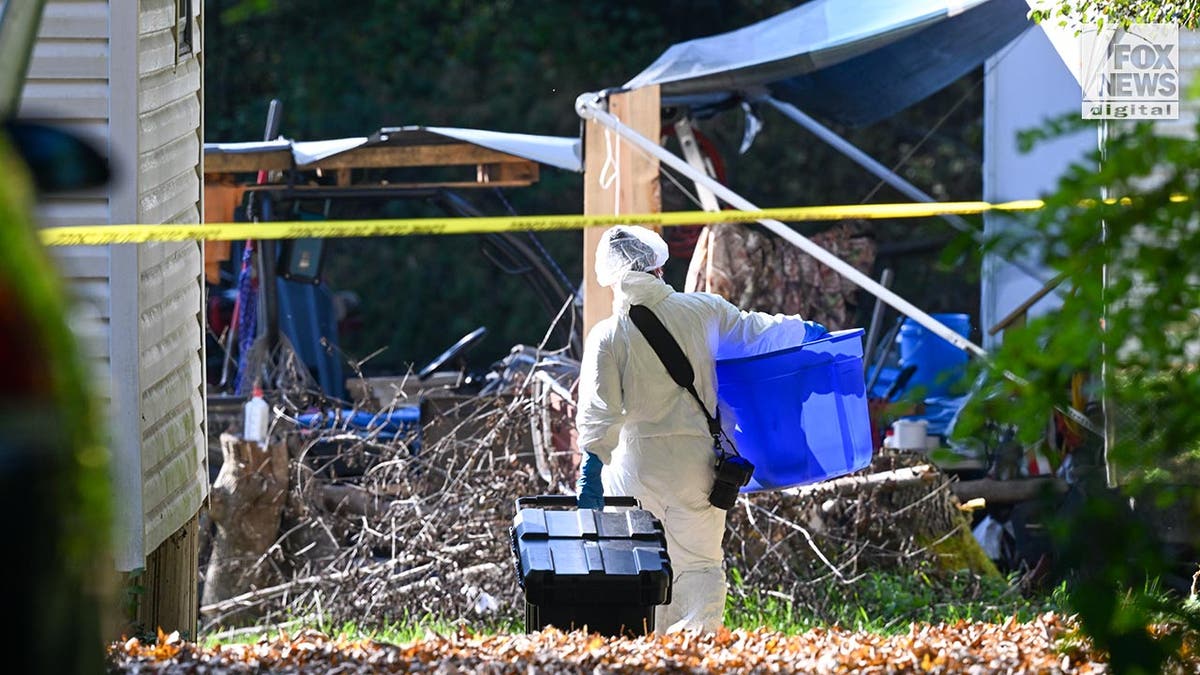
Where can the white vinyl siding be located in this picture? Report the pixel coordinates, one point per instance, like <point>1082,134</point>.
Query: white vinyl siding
<point>109,72</point>
<point>67,85</point>
<point>66,100</point>
<point>170,302</point>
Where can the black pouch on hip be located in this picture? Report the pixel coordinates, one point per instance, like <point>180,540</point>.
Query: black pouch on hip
<point>732,473</point>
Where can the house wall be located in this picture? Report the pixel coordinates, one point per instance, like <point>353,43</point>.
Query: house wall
<point>67,85</point>
<point>112,73</point>
<point>1025,84</point>
<point>170,301</point>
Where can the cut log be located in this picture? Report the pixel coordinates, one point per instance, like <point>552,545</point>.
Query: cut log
<point>752,268</point>
<point>1013,491</point>
<point>246,503</point>
<point>346,498</point>
<point>991,491</point>
<point>883,480</point>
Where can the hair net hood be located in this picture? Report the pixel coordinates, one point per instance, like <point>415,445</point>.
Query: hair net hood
<point>628,248</point>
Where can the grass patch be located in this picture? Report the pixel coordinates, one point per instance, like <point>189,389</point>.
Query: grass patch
<point>408,629</point>
<point>886,603</point>
<point>882,603</point>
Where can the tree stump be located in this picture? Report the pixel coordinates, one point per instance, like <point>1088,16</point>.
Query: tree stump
<point>246,503</point>
<point>896,514</point>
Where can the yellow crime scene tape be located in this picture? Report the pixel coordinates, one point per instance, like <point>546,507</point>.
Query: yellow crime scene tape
<point>99,235</point>
<point>105,234</point>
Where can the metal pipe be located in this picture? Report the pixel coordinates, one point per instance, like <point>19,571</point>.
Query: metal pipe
<point>19,22</point>
<point>885,280</point>
<point>267,256</point>
<point>883,173</point>
<point>889,342</point>
<point>864,160</point>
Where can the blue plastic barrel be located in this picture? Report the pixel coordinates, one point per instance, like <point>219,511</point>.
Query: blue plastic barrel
<point>800,413</point>
<point>939,364</point>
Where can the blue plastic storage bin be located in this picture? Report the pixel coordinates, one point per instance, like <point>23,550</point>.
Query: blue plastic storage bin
<point>939,364</point>
<point>801,413</point>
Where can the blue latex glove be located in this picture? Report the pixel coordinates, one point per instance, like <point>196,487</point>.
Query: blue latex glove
<point>589,487</point>
<point>814,331</point>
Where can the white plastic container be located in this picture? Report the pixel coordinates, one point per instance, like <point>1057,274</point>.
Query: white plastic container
<point>256,418</point>
<point>910,434</point>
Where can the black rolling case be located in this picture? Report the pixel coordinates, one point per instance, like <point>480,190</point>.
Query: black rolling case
<point>602,570</point>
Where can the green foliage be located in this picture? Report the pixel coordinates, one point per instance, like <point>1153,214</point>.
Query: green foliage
<point>55,461</point>
<point>1142,319</point>
<point>408,631</point>
<point>32,290</point>
<point>1126,243</point>
<point>1122,12</point>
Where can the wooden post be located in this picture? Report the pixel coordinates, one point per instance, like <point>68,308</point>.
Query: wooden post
<point>222,196</point>
<point>170,598</point>
<point>617,178</point>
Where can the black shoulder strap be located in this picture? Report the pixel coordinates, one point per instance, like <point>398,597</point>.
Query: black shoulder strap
<point>672,356</point>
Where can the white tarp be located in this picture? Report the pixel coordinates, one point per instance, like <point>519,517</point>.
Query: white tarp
<point>854,62</point>
<point>812,36</point>
<point>559,151</point>
<point>562,152</point>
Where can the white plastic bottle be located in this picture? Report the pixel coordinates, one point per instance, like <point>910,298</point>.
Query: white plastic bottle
<point>257,416</point>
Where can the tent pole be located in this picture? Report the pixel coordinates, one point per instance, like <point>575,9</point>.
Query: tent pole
<point>19,22</point>
<point>882,172</point>
<point>864,160</point>
<point>876,317</point>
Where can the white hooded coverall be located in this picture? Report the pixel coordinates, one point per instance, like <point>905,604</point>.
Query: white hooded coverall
<point>651,435</point>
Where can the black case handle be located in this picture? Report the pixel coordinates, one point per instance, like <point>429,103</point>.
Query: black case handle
<point>570,501</point>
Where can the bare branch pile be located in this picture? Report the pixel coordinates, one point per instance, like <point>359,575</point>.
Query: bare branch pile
<point>380,527</point>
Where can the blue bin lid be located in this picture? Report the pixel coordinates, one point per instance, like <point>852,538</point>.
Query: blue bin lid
<point>838,344</point>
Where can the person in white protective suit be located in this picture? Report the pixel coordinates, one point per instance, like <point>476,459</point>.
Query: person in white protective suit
<point>646,431</point>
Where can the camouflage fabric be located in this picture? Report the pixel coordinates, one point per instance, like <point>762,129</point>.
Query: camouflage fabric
<point>755,269</point>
